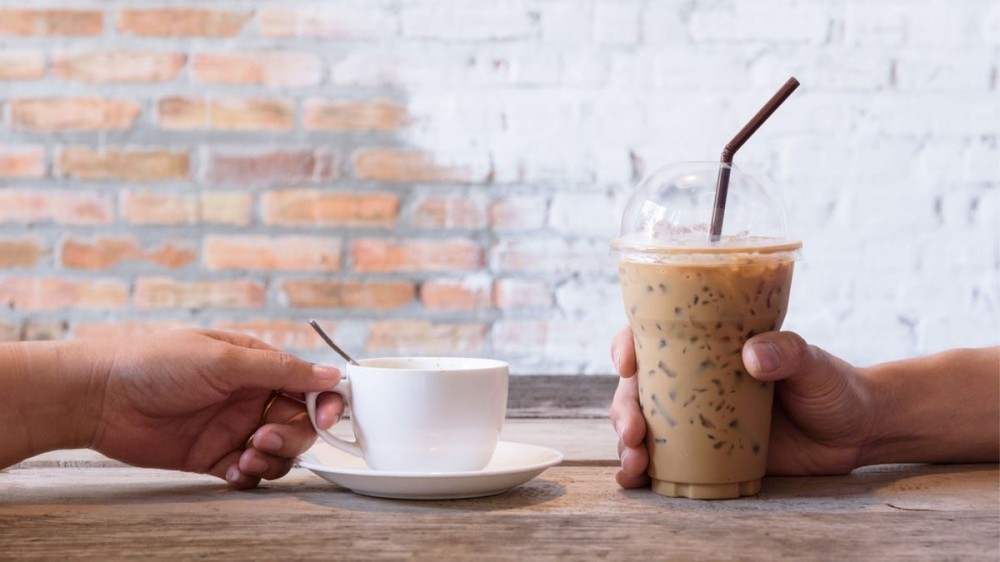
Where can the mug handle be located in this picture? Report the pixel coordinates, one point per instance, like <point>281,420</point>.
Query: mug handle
<point>342,388</point>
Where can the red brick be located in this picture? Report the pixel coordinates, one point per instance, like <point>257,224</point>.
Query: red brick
<point>405,165</point>
<point>521,293</point>
<point>114,330</point>
<point>40,330</point>
<point>312,207</point>
<point>9,332</point>
<point>51,22</point>
<point>72,114</point>
<point>471,294</point>
<point>339,21</point>
<point>282,334</point>
<point>22,162</point>
<point>21,65</point>
<point>372,295</point>
<point>417,337</point>
<point>118,66</point>
<point>287,253</point>
<point>378,255</point>
<point>69,206</point>
<point>19,252</point>
<point>50,293</point>
<point>127,164</point>
<point>450,212</point>
<point>519,213</point>
<point>215,207</point>
<point>181,22</point>
<point>279,69</point>
<point>108,252</point>
<point>288,167</point>
<point>344,115</point>
<point>157,293</point>
<point>225,114</point>
<point>520,337</point>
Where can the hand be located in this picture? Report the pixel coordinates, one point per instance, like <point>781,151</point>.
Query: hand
<point>189,400</point>
<point>821,418</point>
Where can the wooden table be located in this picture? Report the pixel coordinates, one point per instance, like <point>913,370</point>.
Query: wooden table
<point>82,505</point>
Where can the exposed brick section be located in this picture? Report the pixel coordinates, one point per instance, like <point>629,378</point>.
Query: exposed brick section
<point>371,295</point>
<point>404,165</point>
<point>39,330</point>
<point>550,256</point>
<point>52,293</point>
<point>378,255</point>
<point>279,167</point>
<point>72,114</point>
<point>213,207</point>
<point>520,337</point>
<point>19,252</point>
<point>519,213</point>
<point>280,69</point>
<point>109,330</point>
<point>472,294</point>
<point>109,252</point>
<point>282,334</point>
<point>417,337</point>
<point>512,294</point>
<point>157,293</point>
<point>22,161</point>
<point>52,22</point>
<point>68,207</point>
<point>337,21</point>
<point>286,253</point>
<point>312,207</point>
<point>123,164</point>
<point>187,22</point>
<point>226,114</point>
<point>9,332</point>
<point>449,212</point>
<point>118,66</point>
<point>21,65</point>
<point>342,115</point>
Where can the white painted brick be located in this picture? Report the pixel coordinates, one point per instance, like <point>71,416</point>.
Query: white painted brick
<point>585,342</point>
<point>823,69</point>
<point>966,114</point>
<point>876,23</point>
<point>926,23</point>
<point>663,23</point>
<point>595,301</point>
<point>946,71</point>
<point>595,215</point>
<point>566,22</point>
<point>616,23</point>
<point>584,67</point>
<point>714,70</point>
<point>385,68</point>
<point>467,21</point>
<point>763,20</point>
<point>982,160</point>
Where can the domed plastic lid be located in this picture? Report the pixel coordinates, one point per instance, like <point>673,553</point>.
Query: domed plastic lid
<point>671,209</point>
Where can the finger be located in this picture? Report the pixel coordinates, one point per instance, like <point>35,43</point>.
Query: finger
<point>625,413</point>
<point>227,468</point>
<point>255,463</point>
<point>806,370</point>
<point>241,367</point>
<point>628,481</point>
<point>289,439</point>
<point>329,408</point>
<point>634,460</point>
<point>236,338</point>
<point>623,352</point>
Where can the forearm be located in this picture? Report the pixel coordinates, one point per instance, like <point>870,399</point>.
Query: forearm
<point>942,408</point>
<point>49,398</point>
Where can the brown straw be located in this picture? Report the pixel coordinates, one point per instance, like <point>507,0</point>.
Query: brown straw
<point>722,186</point>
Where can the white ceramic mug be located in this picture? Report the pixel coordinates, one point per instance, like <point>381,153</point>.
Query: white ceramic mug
<point>422,414</point>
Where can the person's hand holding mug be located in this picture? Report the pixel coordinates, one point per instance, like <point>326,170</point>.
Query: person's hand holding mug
<point>830,417</point>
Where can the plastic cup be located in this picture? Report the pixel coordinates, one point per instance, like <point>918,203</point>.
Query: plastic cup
<point>692,304</point>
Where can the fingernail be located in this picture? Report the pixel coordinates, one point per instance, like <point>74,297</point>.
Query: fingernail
<point>325,372</point>
<point>764,357</point>
<point>233,474</point>
<point>270,442</point>
<point>255,466</point>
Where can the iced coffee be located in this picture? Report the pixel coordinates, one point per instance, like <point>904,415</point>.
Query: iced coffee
<point>692,301</point>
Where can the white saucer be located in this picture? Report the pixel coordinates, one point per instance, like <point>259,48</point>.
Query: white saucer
<point>512,464</point>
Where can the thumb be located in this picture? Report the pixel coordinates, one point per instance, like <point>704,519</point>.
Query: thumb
<point>806,370</point>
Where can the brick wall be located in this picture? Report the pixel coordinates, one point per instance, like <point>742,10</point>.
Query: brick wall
<point>444,176</point>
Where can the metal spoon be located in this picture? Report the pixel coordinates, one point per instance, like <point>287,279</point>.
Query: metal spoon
<point>330,343</point>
